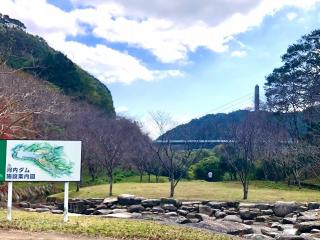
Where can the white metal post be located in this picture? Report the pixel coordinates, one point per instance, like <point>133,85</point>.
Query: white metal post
<point>9,211</point>
<point>66,202</point>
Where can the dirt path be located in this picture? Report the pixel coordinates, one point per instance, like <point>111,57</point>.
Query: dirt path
<point>21,235</point>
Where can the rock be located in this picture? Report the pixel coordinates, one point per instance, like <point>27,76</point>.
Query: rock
<point>124,215</point>
<point>232,218</point>
<point>171,214</point>
<point>135,209</point>
<point>119,210</point>
<point>56,211</point>
<point>233,204</point>
<point>248,222</point>
<point>310,236</point>
<point>24,204</point>
<point>257,237</point>
<point>202,217</point>
<point>41,210</point>
<point>182,212</point>
<point>289,220</point>
<point>227,227</point>
<point>263,206</point>
<point>269,232</point>
<point>315,231</point>
<point>110,201</point>
<point>158,210</point>
<point>247,214</point>
<point>281,209</point>
<point>101,206</point>
<point>102,212</point>
<point>267,212</point>
<point>89,211</point>
<point>217,205</point>
<point>188,208</point>
<point>305,227</point>
<point>128,199</point>
<point>247,205</point>
<point>182,220</point>
<point>313,205</point>
<point>262,218</point>
<point>204,209</point>
<point>150,202</point>
<point>290,237</point>
<point>169,207</point>
<point>311,215</point>
<point>172,201</point>
<point>220,214</point>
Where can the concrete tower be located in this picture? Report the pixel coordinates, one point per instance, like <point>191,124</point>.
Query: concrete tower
<point>256,98</point>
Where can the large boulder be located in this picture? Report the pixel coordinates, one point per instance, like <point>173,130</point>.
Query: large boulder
<point>217,205</point>
<point>246,214</point>
<point>173,201</point>
<point>281,209</point>
<point>169,207</point>
<point>232,218</point>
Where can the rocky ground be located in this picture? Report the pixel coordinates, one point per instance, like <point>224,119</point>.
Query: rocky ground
<point>258,221</point>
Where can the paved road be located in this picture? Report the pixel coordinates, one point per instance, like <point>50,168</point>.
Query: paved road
<point>21,235</point>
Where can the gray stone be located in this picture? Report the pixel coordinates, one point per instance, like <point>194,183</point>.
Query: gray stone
<point>171,214</point>
<point>182,212</point>
<point>217,205</point>
<point>248,222</point>
<point>110,201</point>
<point>281,209</point>
<point>263,218</point>
<point>40,210</point>
<point>128,199</point>
<point>220,214</point>
<point>101,206</point>
<point>263,206</point>
<point>308,226</point>
<point>102,212</point>
<point>206,210</point>
<point>269,232</point>
<point>202,217</point>
<point>135,209</point>
<point>89,211</point>
<point>267,212</point>
<point>119,210</point>
<point>312,215</point>
<point>182,220</point>
<point>123,215</point>
<point>172,201</point>
<point>188,208</point>
<point>257,237</point>
<point>247,214</point>
<point>232,218</point>
<point>289,220</point>
<point>150,202</point>
<point>225,227</point>
<point>290,237</point>
<point>233,204</point>
<point>158,209</point>
<point>56,211</point>
<point>169,207</point>
<point>247,205</point>
<point>24,204</point>
<point>313,205</point>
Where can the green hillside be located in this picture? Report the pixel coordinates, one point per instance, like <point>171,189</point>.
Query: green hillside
<point>21,50</point>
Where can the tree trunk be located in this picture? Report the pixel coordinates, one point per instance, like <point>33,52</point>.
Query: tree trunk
<point>78,187</point>
<point>141,177</point>
<point>245,190</point>
<point>171,187</point>
<point>157,178</point>
<point>149,177</point>
<point>110,185</point>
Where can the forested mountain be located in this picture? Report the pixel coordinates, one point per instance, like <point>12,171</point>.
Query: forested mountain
<point>21,50</point>
<point>219,126</point>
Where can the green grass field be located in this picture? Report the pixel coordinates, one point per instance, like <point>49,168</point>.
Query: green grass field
<point>259,191</point>
<point>96,226</point>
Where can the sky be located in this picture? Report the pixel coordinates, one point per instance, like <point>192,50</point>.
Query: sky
<point>184,57</point>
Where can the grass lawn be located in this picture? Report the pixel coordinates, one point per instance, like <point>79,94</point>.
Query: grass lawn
<point>258,191</point>
<point>95,226</point>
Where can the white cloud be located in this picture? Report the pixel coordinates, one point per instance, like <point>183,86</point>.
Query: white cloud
<point>241,53</point>
<point>291,16</point>
<point>170,30</point>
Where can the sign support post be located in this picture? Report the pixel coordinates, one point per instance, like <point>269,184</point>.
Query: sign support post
<point>9,211</point>
<point>66,202</point>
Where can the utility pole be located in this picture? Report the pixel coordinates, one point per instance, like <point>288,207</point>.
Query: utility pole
<point>256,98</point>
